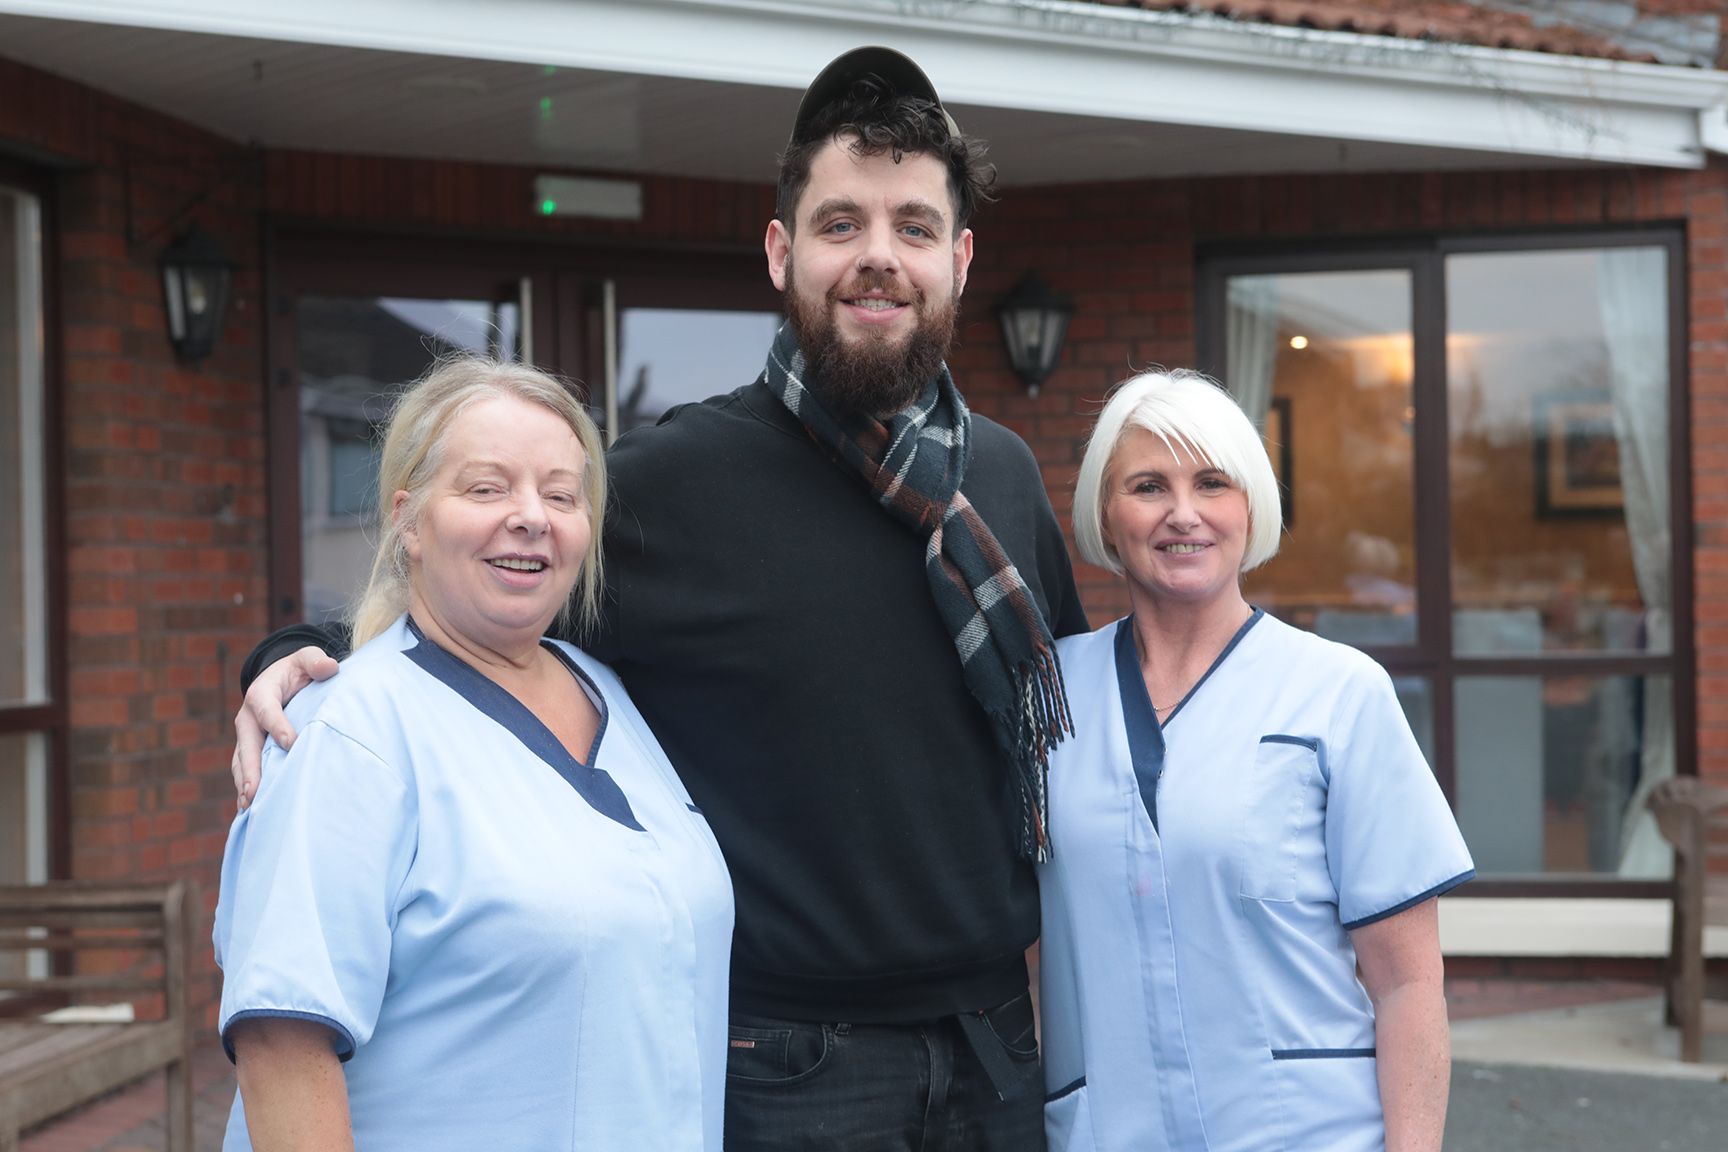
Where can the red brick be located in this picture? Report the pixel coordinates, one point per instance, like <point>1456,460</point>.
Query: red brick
<point>101,621</point>
<point>185,733</point>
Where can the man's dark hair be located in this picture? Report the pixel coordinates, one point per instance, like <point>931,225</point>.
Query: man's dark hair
<point>878,120</point>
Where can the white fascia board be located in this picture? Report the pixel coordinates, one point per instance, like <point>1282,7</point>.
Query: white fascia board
<point>1039,55</point>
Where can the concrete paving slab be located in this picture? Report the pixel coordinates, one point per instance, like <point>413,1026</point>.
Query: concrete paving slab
<point>1625,1036</point>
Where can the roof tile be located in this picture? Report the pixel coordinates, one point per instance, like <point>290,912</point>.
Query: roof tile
<point>1444,21</point>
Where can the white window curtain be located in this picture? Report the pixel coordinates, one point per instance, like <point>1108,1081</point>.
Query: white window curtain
<point>1632,289</point>
<point>1251,343</point>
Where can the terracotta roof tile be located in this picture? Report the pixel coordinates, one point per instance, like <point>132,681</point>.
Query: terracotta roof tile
<point>1445,21</point>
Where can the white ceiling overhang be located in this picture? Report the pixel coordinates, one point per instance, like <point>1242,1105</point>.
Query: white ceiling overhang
<point>1064,91</point>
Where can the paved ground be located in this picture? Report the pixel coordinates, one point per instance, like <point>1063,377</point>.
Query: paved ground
<point>1496,1106</point>
<point>1514,1108</point>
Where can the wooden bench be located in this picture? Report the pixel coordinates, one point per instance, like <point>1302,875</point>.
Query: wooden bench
<point>47,1068</point>
<point>1693,817</point>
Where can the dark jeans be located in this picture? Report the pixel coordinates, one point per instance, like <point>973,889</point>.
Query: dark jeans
<point>885,1087</point>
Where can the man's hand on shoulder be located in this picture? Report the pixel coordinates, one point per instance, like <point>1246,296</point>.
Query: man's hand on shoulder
<point>261,714</point>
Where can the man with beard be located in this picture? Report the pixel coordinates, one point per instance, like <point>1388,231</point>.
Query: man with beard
<point>832,594</point>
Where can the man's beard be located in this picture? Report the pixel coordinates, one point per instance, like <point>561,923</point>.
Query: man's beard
<point>875,375</point>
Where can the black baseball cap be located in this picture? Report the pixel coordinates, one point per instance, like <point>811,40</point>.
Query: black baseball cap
<point>895,69</point>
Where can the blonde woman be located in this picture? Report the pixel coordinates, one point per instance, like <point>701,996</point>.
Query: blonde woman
<point>473,906</point>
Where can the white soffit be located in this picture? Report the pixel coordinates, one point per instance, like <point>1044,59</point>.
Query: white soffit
<point>1103,65</point>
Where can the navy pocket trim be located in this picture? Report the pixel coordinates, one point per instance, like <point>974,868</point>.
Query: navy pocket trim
<point>1439,889</point>
<point>1321,1053</point>
<point>1065,1090</point>
<point>1300,741</point>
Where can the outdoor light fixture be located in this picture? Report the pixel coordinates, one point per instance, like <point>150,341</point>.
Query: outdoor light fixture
<point>195,278</point>
<point>1034,322</point>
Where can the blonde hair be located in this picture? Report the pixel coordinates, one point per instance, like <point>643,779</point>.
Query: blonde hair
<point>1188,412</point>
<point>414,448</point>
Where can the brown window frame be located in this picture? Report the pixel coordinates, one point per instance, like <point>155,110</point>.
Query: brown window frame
<point>1431,656</point>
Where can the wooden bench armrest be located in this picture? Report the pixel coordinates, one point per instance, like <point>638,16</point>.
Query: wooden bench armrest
<point>1683,806</point>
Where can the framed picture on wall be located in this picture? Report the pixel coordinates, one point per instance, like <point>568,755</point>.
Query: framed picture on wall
<point>1577,456</point>
<point>1276,433</point>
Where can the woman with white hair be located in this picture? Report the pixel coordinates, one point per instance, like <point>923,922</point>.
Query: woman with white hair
<point>1240,943</point>
<point>473,906</point>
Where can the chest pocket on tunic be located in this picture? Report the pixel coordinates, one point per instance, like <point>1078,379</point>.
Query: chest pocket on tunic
<point>1276,800</point>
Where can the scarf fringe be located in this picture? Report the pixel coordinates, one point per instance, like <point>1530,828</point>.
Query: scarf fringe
<point>1033,729</point>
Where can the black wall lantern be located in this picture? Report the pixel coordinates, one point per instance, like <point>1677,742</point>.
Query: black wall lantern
<point>1034,323</point>
<point>195,278</point>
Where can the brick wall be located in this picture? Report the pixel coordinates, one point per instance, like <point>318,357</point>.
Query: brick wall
<point>163,482</point>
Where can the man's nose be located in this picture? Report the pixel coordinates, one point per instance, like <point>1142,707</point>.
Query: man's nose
<point>879,253</point>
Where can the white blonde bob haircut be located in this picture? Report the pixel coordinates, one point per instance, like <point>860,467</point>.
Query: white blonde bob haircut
<point>1195,418</point>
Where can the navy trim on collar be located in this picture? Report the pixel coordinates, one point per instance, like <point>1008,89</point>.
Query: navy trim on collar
<point>1253,619</point>
<point>592,784</point>
<point>1145,738</point>
<point>1145,734</point>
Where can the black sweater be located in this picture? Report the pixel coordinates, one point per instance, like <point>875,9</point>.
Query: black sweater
<point>776,629</point>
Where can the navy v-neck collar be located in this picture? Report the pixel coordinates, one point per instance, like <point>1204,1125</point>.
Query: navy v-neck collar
<point>1145,734</point>
<point>492,700</point>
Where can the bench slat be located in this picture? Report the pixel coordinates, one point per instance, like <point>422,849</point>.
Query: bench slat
<point>67,919</point>
<point>67,940</point>
<point>84,1072</point>
<point>30,1045</point>
<point>76,896</point>
<point>84,982</point>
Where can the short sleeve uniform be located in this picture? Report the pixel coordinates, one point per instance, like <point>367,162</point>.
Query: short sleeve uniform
<point>510,946</point>
<point>1199,983</point>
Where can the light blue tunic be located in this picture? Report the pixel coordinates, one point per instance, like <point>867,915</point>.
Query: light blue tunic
<point>1199,985</point>
<point>512,948</point>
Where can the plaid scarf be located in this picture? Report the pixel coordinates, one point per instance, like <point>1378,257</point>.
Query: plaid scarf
<point>914,463</point>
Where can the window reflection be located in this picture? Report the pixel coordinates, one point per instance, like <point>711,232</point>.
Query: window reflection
<point>1557,374</point>
<point>354,355</point>
<point>672,356</point>
<point>1323,363</point>
<point>1552,772</point>
<point>23,586</point>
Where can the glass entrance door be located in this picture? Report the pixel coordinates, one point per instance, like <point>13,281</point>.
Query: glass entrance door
<point>353,323</point>
<point>672,356</point>
<point>355,354</point>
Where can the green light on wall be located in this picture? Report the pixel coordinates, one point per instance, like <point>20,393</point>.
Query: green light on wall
<point>593,198</point>
<point>545,107</point>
